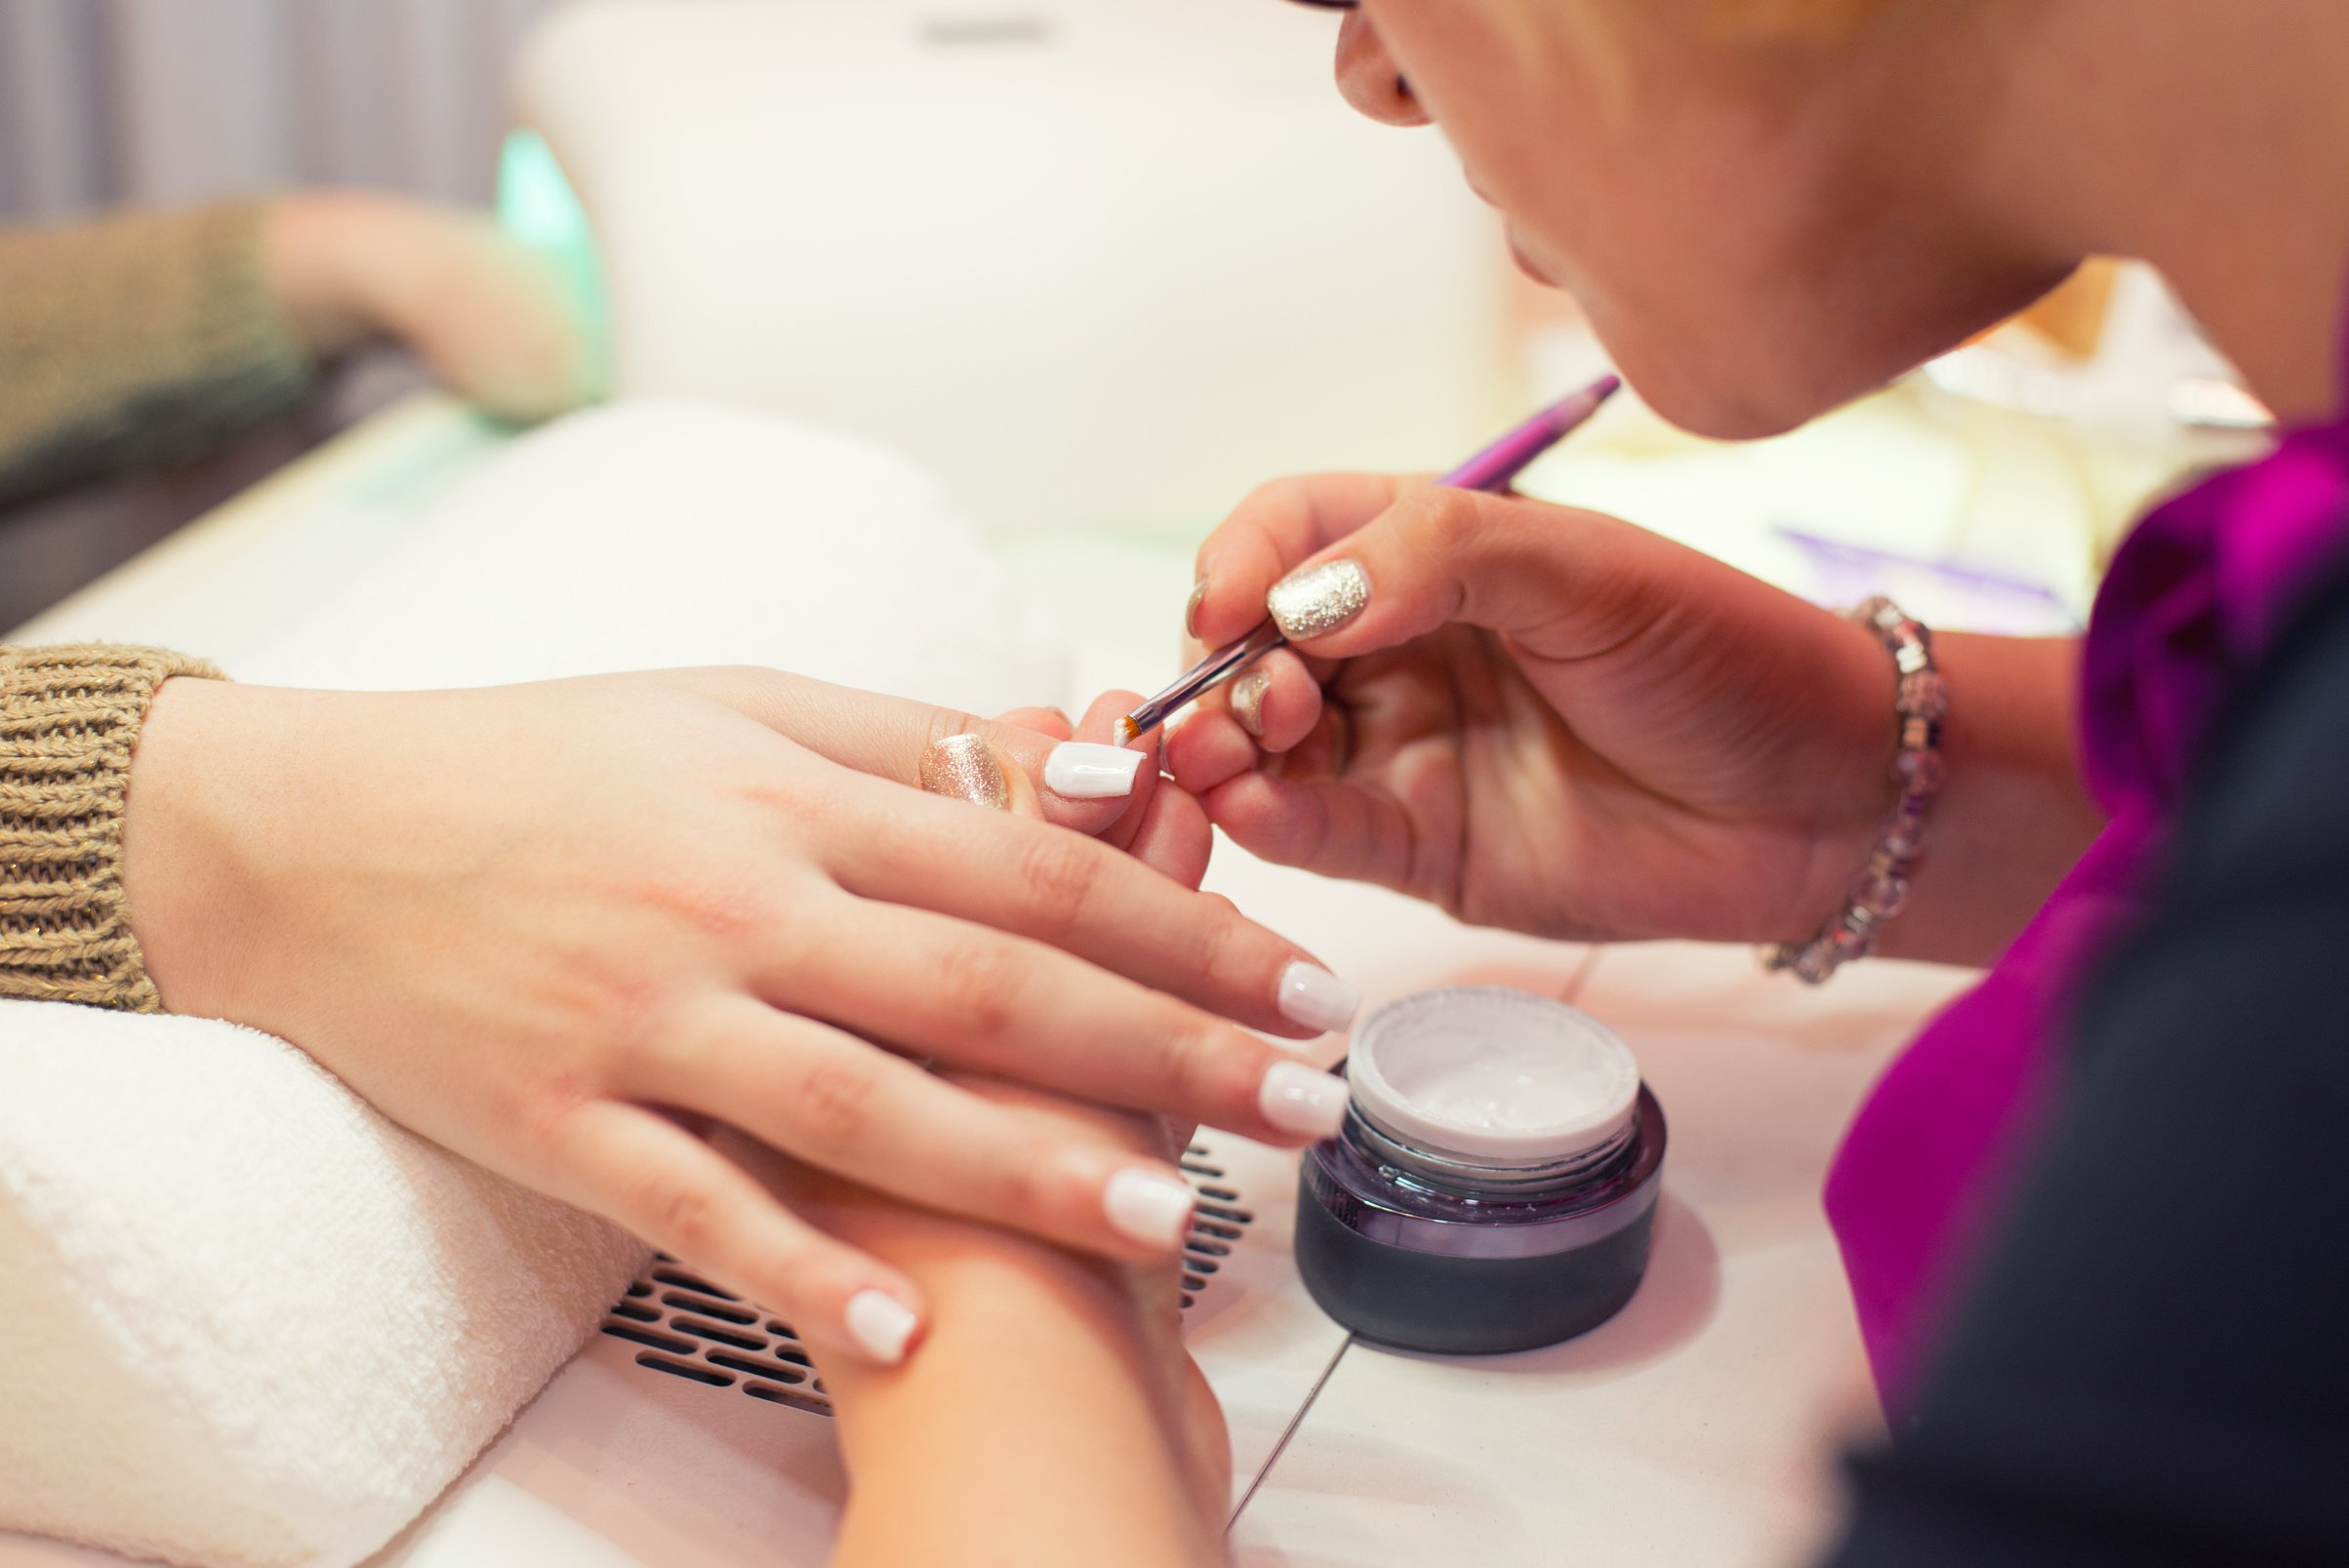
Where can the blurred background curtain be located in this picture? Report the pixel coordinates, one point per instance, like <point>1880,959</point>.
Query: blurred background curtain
<point>104,102</point>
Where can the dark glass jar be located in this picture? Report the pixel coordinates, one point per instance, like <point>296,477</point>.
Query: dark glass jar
<point>1496,1184</point>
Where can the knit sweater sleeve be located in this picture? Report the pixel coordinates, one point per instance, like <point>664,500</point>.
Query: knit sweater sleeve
<point>68,721</point>
<point>134,340</point>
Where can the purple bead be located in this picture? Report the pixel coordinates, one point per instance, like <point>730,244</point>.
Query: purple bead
<point>1924,695</point>
<point>1880,892</point>
<point>1919,770</point>
<point>1815,964</point>
<point>1900,837</point>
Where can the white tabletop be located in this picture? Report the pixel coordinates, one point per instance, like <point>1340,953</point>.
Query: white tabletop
<point>1700,1425</point>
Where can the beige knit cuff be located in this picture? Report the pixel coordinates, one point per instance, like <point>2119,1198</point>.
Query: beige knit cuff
<point>68,719</point>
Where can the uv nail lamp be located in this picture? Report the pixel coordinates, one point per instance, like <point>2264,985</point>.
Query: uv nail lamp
<point>1092,262</point>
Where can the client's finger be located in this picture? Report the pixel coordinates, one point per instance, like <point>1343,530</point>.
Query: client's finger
<point>1174,838</point>
<point>999,1004</point>
<point>1050,722</point>
<point>1079,895</point>
<point>1085,784</point>
<point>840,1104</point>
<point>644,1171</point>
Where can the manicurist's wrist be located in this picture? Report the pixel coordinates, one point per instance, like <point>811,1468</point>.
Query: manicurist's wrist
<point>1848,777</point>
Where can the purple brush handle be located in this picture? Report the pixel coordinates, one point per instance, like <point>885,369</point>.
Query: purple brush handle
<point>1497,465</point>
<point>1489,469</point>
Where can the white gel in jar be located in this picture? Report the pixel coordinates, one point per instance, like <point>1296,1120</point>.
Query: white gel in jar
<point>1496,1184</point>
<point>1494,1077</point>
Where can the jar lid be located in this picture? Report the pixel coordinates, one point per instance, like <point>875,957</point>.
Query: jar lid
<point>1492,1075</point>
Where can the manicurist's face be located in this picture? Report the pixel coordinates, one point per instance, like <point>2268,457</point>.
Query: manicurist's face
<point>1758,231</point>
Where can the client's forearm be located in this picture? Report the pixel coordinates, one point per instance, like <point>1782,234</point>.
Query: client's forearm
<point>1048,1417</point>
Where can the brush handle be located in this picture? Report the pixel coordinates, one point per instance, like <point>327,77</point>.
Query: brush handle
<point>1490,469</point>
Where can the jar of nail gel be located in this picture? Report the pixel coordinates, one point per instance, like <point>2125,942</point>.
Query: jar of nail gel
<point>1495,1183</point>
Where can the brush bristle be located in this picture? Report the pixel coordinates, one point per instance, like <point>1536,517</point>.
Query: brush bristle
<point>1128,729</point>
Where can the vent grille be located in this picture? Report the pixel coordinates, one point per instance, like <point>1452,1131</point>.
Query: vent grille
<point>685,1327</point>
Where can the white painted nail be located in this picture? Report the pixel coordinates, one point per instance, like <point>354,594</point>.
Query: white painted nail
<point>1299,1099</point>
<point>881,1325</point>
<point>1149,1208</point>
<point>1080,769</point>
<point>1315,997</point>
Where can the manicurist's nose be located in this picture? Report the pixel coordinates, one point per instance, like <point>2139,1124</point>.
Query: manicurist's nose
<point>1367,77</point>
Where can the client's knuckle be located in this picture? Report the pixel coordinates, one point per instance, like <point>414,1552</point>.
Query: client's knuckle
<point>981,982</point>
<point>1190,1061</point>
<point>1056,873</point>
<point>682,1211</point>
<point>833,1105</point>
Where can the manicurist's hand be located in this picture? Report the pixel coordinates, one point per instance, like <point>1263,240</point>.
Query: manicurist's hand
<point>569,930</point>
<point>1550,720</point>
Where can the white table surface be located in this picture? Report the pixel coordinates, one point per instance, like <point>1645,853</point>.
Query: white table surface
<point>1700,1425</point>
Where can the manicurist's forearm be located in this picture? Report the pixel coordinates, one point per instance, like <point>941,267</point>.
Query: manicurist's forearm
<point>2014,814</point>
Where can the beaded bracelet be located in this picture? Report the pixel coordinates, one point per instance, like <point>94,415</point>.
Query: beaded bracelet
<point>1881,888</point>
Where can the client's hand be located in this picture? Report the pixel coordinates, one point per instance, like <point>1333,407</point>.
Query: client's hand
<point>497,322</point>
<point>565,929</point>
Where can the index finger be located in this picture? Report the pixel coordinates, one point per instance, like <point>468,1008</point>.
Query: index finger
<point>1085,783</point>
<point>1276,528</point>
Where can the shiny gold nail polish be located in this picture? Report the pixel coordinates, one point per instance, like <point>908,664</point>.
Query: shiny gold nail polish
<point>1318,601</point>
<point>964,766</point>
<point>1190,609</point>
<point>1247,699</point>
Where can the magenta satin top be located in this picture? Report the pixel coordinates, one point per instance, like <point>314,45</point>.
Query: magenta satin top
<point>2197,594</point>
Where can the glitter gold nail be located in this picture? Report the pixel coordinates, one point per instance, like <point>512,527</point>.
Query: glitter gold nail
<point>964,766</point>
<point>1247,699</point>
<point>1191,609</point>
<point>1318,601</point>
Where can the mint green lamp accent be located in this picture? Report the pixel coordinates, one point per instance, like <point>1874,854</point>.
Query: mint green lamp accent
<point>537,207</point>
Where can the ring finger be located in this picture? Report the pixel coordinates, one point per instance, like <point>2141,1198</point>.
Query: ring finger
<point>825,1097</point>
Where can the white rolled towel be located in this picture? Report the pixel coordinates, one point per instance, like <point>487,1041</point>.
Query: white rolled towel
<point>244,1319</point>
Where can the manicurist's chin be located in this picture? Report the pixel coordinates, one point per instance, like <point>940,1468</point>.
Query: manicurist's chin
<point>1708,395</point>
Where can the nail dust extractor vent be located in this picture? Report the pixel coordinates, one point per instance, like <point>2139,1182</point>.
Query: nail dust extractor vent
<point>686,1327</point>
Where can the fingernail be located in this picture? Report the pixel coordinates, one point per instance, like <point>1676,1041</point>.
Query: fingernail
<point>1299,1099</point>
<point>1082,770</point>
<point>881,1325</point>
<point>1247,699</point>
<point>1149,1208</point>
<point>964,766</point>
<point>1315,997</point>
<point>1190,609</point>
<point>1318,600</point>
